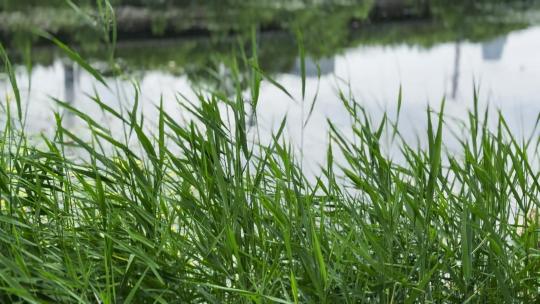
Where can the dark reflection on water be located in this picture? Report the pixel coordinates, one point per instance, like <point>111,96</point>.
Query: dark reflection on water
<point>188,37</point>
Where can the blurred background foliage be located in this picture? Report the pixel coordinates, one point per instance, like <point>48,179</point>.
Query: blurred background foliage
<point>195,37</point>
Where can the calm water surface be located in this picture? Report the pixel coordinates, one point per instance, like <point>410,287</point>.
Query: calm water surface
<point>506,69</point>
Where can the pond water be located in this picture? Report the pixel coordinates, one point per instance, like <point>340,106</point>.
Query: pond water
<point>505,65</point>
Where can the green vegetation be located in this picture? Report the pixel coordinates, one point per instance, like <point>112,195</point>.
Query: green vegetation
<point>212,16</point>
<point>327,25</point>
<point>201,212</point>
<point>329,28</point>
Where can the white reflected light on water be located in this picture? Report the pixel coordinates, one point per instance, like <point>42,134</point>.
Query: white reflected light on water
<point>507,70</point>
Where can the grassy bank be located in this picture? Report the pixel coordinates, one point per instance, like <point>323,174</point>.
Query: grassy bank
<point>199,212</point>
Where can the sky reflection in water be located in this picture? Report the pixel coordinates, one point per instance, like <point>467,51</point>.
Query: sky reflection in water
<point>507,70</point>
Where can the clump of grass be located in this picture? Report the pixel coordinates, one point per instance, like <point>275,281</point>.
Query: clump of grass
<point>197,212</point>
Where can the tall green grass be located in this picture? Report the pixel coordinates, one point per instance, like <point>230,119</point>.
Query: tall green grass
<point>197,212</point>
